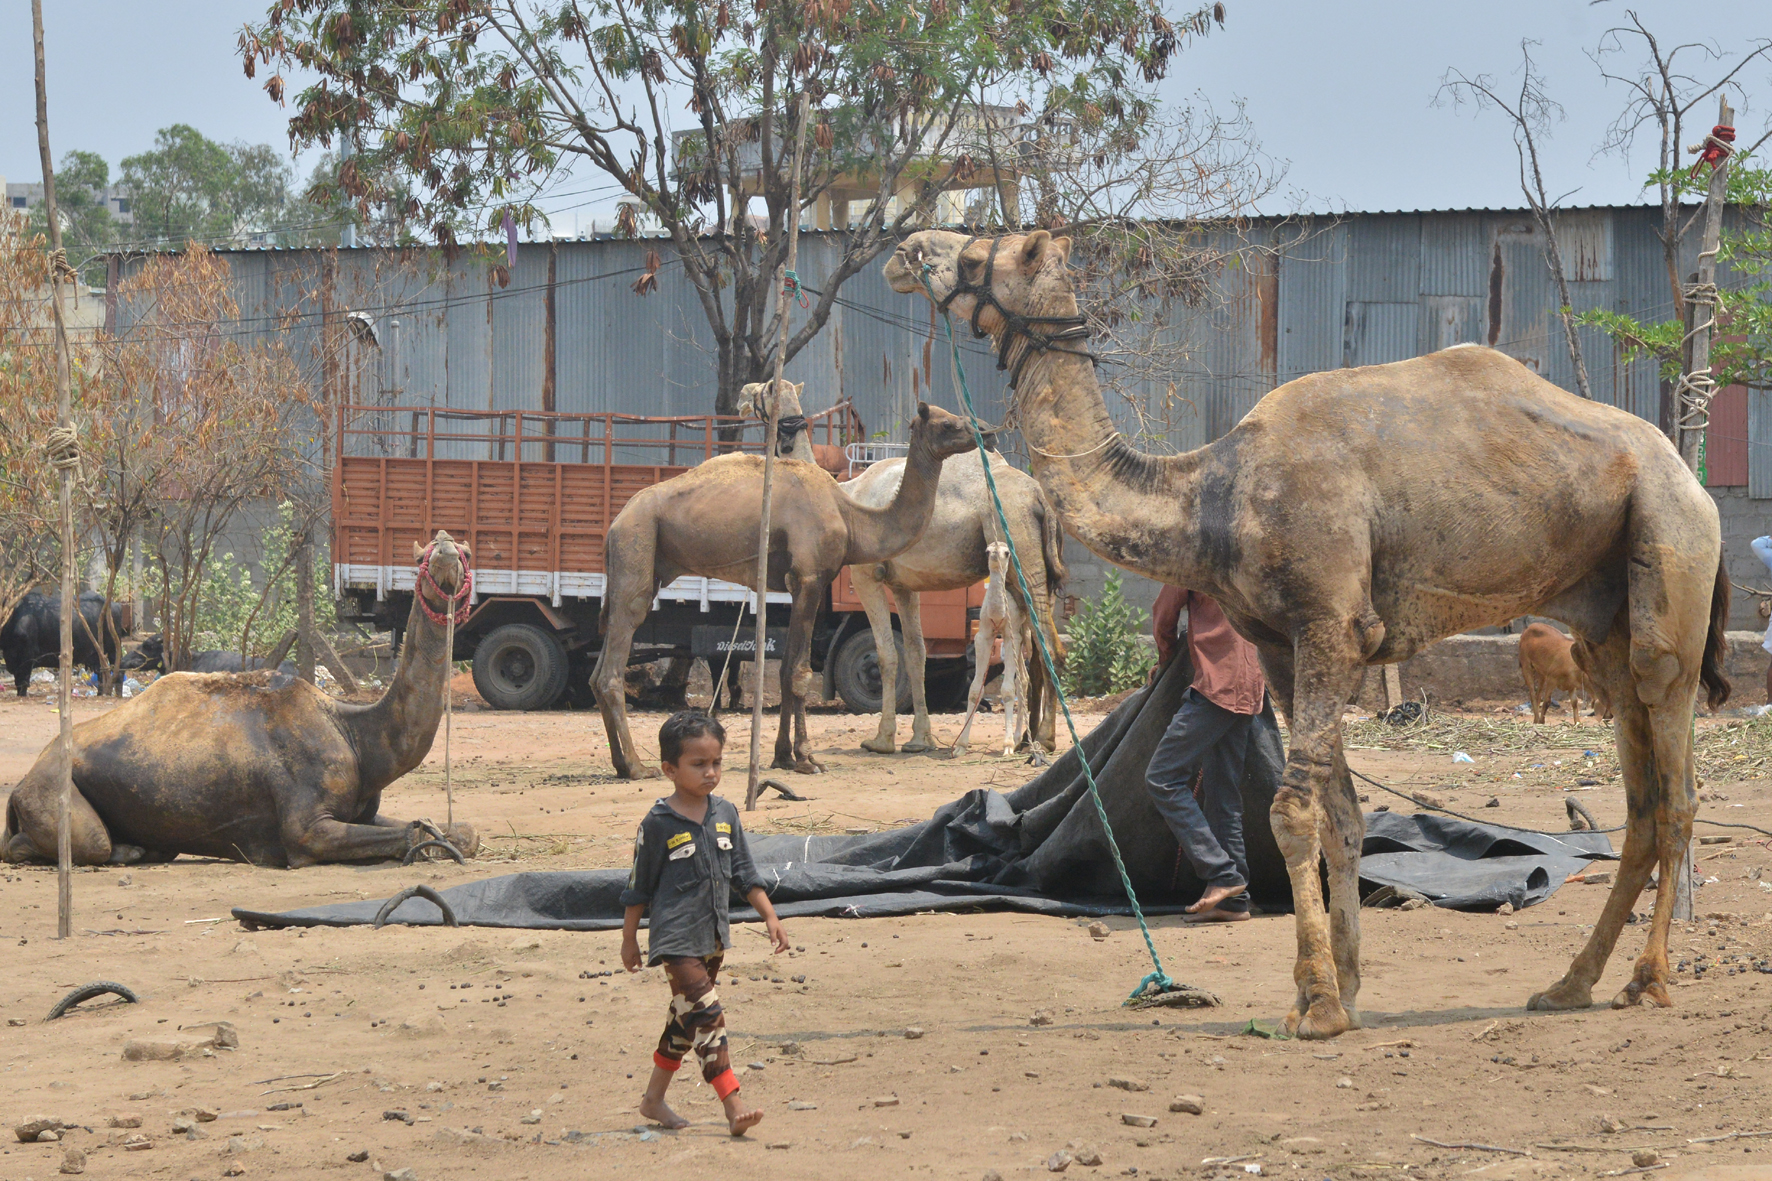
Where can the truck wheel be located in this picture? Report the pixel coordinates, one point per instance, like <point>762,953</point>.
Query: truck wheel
<point>520,666</point>
<point>857,674</point>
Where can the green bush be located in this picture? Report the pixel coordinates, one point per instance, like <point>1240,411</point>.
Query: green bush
<point>1107,652</point>
<point>228,595</point>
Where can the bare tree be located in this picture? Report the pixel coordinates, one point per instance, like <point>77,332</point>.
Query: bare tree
<point>29,547</point>
<point>1662,92</point>
<point>1532,111</point>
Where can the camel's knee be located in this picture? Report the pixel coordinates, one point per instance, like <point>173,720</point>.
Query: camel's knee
<point>1293,818</point>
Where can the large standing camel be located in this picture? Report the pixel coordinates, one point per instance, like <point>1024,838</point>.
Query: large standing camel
<point>252,766</point>
<point>705,521</point>
<point>1356,516</point>
<point>949,555</point>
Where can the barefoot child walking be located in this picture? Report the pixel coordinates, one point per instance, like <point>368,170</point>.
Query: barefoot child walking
<point>689,856</point>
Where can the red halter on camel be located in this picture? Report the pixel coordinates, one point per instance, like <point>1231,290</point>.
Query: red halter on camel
<point>461,596</point>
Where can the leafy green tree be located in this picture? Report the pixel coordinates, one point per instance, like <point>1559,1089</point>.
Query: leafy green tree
<point>1107,653</point>
<point>190,187</point>
<point>87,226</point>
<point>463,112</point>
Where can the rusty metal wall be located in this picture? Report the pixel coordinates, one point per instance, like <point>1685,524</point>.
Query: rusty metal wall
<point>1301,295</point>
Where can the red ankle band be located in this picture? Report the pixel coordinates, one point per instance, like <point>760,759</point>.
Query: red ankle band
<point>663,1063</point>
<point>724,1083</point>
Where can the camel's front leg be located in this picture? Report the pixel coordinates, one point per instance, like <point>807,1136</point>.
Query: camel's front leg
<point>1343,832</point>
<point>315,837</point>
<point>981,669</point>
<point>1014,683</point>
<point>865,578</point>
<point>916,654</point>
<point>1327,674</point>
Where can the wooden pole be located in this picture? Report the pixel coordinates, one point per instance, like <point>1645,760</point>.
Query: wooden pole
<point>1696,388</point>
<point>64,453</point>
<point>769,426</point>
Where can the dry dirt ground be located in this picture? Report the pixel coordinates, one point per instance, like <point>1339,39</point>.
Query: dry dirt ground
<point>1022,1030</point>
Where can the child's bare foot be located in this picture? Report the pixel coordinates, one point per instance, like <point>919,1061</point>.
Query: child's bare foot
<point>659,1112</point>
<point>739,1118</point>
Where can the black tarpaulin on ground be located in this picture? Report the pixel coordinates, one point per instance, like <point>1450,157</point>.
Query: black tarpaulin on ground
<point>1039,848</point>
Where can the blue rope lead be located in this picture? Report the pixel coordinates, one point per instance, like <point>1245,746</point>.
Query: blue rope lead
<point>1159,978</point>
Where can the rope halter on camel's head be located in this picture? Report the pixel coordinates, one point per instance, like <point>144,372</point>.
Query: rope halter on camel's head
<point>1039,334</point>
<point>458,600</point>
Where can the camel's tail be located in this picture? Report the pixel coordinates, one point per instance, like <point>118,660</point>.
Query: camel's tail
<point>1052,549</point>
<point>1716,644</point>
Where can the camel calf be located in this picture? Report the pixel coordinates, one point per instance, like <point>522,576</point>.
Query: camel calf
<point>1547,663</point>
<point>1001,614</point>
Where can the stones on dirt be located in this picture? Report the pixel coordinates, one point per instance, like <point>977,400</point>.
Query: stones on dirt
<point>886,1101</point>
<point>48,1136</point>
<point>404,1117</point>
<point>1041,1017</point>
<point>534,1117</point>
<point>1098,931</point>
<point>73,1161</point>
<point>240,1145</point>
<point>1344,1083</point>
<point>28,1131</point>
<point>1494,802</point>
<point>1129,1084</point>
<point>912,1034</point>
<point>1645,1158</point>
<point>801,1105</point>
<point>1414,904</point>
<point>124,1119</point>
<point>399,1175</point>
<point>1505,908</point>
<point>137,1143</point>
<point>791,1048</point>
<point>1189,1104</point>
<point>1059,1161</point>
<point>224,1037</point>
<point>1597,877</point>
<point>780,1145</point>
<point>16,1022</point>
<point>1427,799</point>
<point>1134,1120</point>
<point>991,1175</point>
<point>1085,1154</point>
<point>234,1169</point>
<point>362,1154</point>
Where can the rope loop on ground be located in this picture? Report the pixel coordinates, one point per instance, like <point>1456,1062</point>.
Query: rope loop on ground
<point>1158,980</point>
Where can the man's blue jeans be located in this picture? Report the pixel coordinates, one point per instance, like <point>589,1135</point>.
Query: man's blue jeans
<point>1207,742</point>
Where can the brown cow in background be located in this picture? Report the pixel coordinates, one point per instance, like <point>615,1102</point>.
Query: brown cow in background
<point>1547,663</point>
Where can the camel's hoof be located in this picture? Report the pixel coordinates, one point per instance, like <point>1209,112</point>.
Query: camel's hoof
<point>639,771</point>
<point>1324,1019</point>
<point>464,838</point>
<point>879,746</point>
<point>808,767</point>
<point>917,746</point>
<point>1560,997</point>
<point>1636,992</point>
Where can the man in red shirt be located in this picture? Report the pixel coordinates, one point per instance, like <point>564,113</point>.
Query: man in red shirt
<point>1207,741</point>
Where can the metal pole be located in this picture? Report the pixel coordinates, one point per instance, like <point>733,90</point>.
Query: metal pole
<point>781,349</point>
<point>1696,387</point>
<point>65,455</point>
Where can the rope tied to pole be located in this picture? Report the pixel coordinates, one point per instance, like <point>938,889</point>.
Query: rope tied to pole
<point>60,267</point>
<point>1697,388</point>
<point>62,446</point>
<point>1716,148</point>
<point>1159,980</point>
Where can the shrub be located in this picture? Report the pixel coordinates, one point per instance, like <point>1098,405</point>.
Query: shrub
<point>1107,652</point>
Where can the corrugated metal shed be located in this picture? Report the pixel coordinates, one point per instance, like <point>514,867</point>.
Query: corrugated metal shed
<point>1302,295</point>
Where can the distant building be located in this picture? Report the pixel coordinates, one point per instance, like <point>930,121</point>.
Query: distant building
<point>29,196</point>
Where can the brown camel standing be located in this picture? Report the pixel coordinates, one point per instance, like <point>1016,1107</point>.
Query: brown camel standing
<point>697,523</point>
<point>1353,518</point>
<point>950,555</point>
<point>252,767</point>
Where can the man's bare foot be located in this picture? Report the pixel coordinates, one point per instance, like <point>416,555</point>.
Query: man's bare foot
<point>741,1119</point>
<point>659,1112</point>
<point>1213,896</point>
<point>1216,915</point>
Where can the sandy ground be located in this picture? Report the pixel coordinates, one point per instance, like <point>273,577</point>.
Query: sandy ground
<point>390,1043</point>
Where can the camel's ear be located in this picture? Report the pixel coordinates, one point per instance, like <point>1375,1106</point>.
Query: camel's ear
<point>1033,249</point>
<point>1063,247</point>
<point>797,386</point>
<point>418,551</point>
<point>923,411</point>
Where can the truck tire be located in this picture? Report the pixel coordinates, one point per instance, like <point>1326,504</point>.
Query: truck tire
<point>520,666</point>
<point>857,674</point>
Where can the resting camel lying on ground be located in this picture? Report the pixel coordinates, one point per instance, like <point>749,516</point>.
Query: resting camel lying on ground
<point>1353,518</point>
<point>1547,664</point>
<point>231,765</point>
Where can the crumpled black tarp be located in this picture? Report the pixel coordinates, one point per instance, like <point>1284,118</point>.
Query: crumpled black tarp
<point>1039,848</point>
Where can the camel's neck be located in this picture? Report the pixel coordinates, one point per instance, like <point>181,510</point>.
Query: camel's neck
<point>876,534</point>
<point>394,735</point>
<point>1139,511</point>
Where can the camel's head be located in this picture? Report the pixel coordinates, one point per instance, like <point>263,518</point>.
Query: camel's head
<point>446,571</point>
<point>997,555</point>
<point>942,433</point>
<point>785,404</point>
<point>1021,275</point>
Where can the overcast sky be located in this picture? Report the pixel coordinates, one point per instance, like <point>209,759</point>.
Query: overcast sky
<point>1342,93</point>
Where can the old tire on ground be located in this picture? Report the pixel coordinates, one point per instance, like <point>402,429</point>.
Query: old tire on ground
<point>520,666</point>
<point>857,674</point>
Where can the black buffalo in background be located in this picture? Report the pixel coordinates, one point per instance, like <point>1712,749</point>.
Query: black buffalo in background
<point>151,657</point>
<point>32,636</point>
